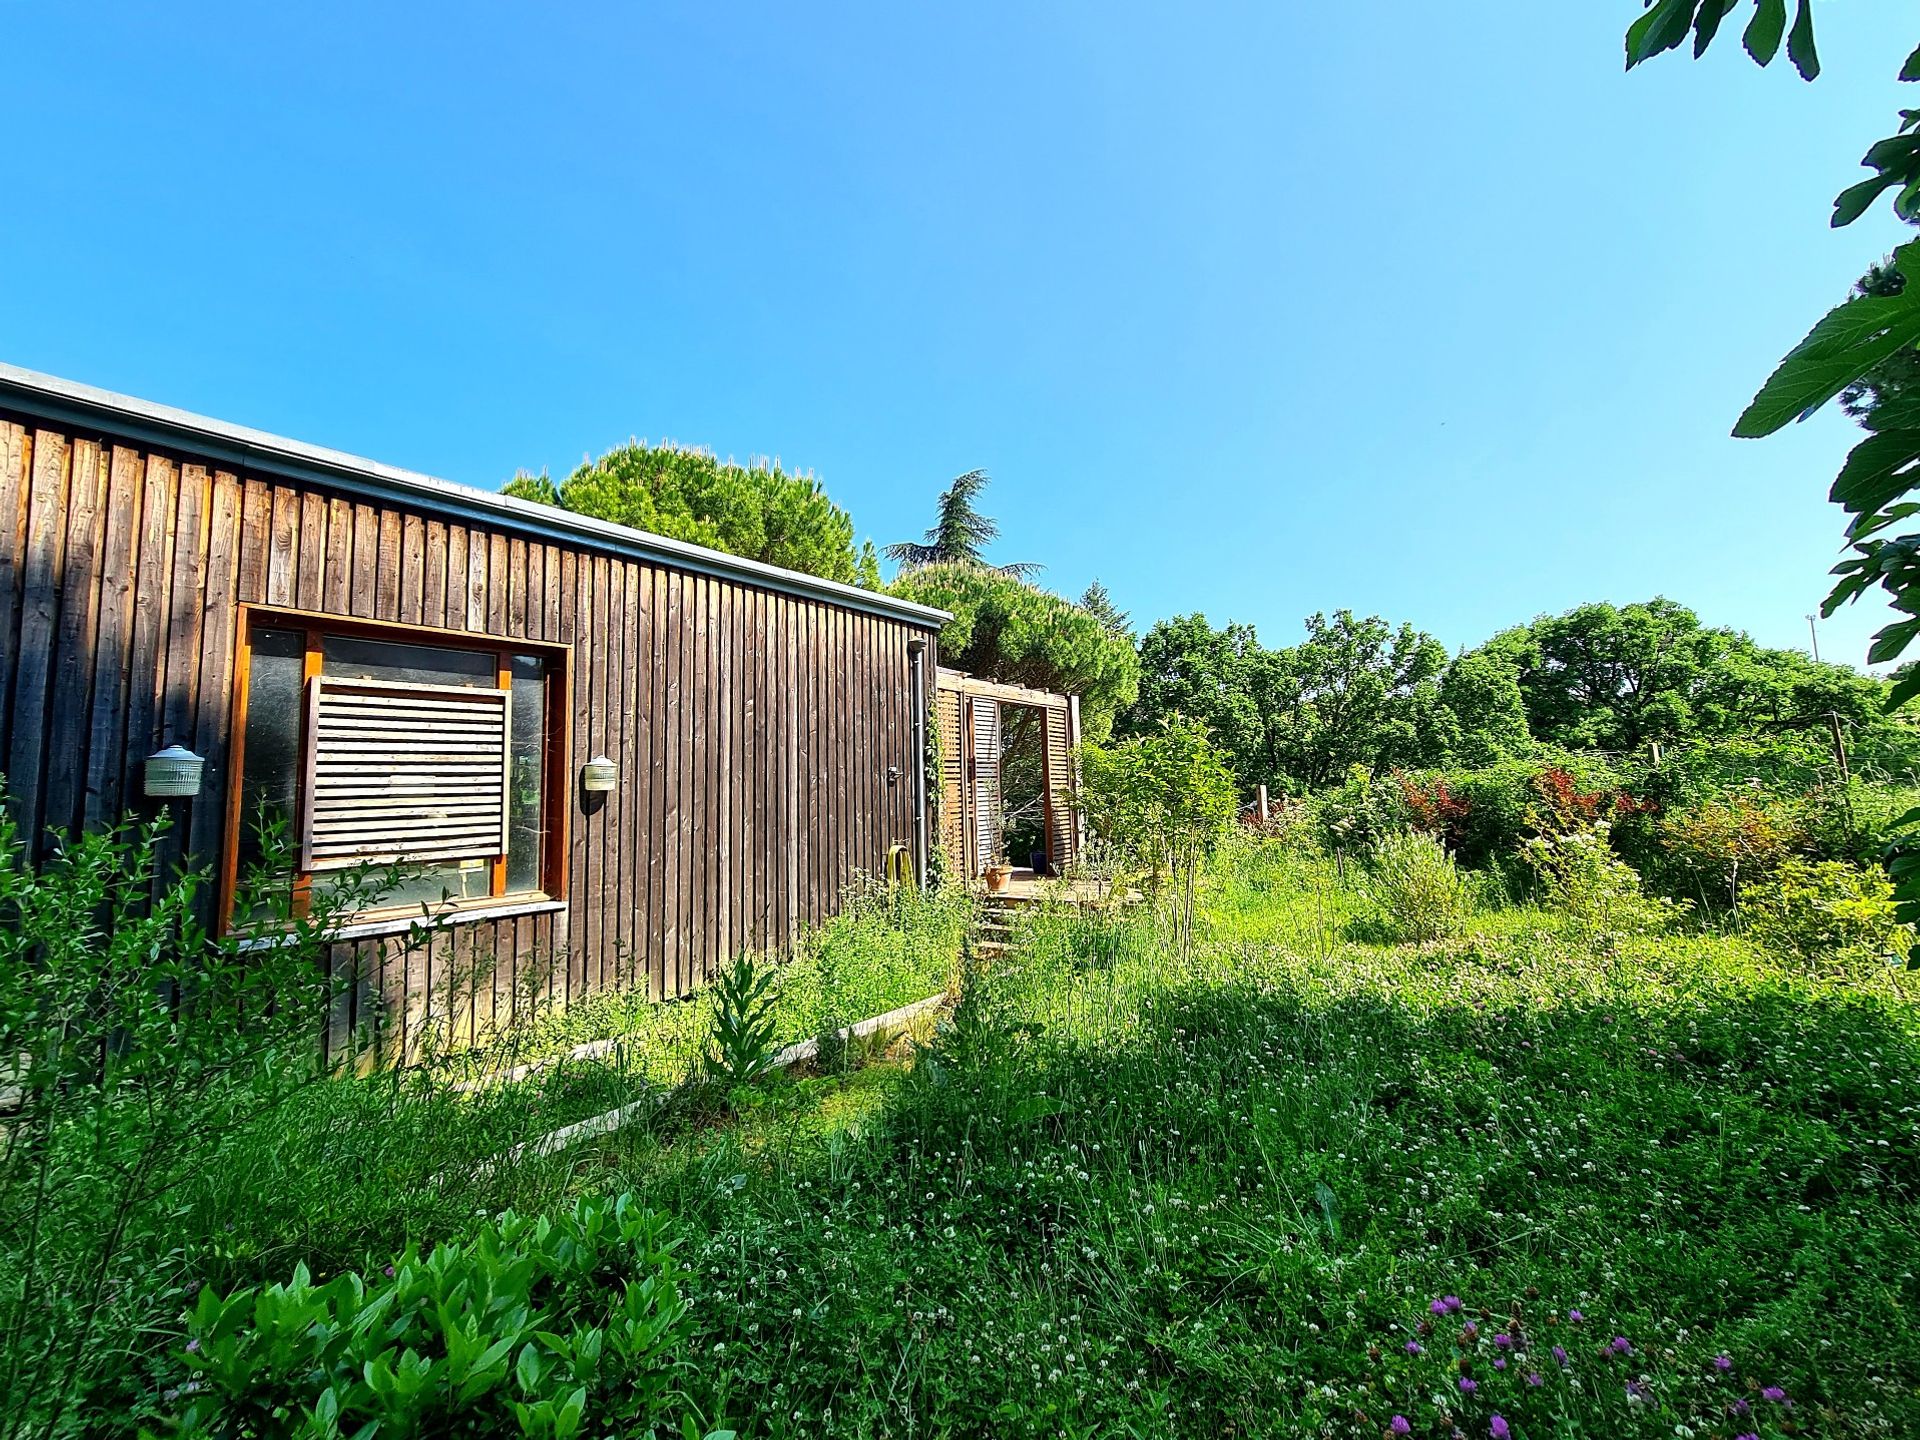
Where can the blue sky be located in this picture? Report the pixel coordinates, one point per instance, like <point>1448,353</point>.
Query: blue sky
<point>1257,309</point>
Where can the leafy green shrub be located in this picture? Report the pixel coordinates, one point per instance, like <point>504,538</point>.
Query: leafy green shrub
<point>539,1327</point>
<point>1597,890</point>
<point>1727,839</point>
<point>741,1048</point>
<point>1167,801</point>
<point>1361,812</point>
<point>1823,910</point>
<point>1413,890</point>
<point>139,1050</point>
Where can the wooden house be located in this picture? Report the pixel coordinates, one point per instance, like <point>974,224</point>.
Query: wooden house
<point>404,669</point>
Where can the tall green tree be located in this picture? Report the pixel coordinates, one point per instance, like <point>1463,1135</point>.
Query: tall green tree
<point>959,534</point>
<point>1359,692</point>
<point>1187,667</point>
<point>1355,691</point>
<point>1098,603</point>
<point>1004,628</point>
<point>1612,677</point>
<point>1490,714</point>
<point>760,512</point>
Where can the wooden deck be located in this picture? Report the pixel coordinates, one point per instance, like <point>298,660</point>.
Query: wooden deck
<point>1024,887</point>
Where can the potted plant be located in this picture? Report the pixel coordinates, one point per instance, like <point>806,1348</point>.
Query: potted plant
<point>997,875</point>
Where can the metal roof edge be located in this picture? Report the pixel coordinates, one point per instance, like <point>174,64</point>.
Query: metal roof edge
<point>53,398</point>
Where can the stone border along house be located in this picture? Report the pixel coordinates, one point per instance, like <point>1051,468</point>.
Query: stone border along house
<point>407,669</point>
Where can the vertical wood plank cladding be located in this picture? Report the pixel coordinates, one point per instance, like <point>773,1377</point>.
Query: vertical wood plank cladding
<point>16,460</point>
<point>673,751</point>
<point>791,713</point>
<point>386,567</point>
<point>820,741</point>
<point>413,569</point>
<point>590,645</point>
<point>498,580</point>
<point>106,725</point>
<point>283,547</point>
<point>706,798</point>
<point>39,606</point>
<point>213,708</point>
<point>726,705</point>
<point>633,770</point>
<point>337,572</point>
<point>476,584</point>
<point>72,661</point>
<point>179,688</point>
<point>752,728</point>
<point>256,526</point>
<point>613,886</point>
<point>433,574</point>
<point>363,562</point>
<point>310,542</point>
<point>646,829</point>
<point>762,860</point>
<point>147,663</point>
<point>516,623</point>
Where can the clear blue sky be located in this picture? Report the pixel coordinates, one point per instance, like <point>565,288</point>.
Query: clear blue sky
<point>1427,310</point>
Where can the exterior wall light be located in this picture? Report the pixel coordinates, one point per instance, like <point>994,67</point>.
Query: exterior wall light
<point>599,774</point>
<point>174,771</point>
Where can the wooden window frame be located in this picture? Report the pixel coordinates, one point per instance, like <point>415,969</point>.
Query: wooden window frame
<point>317,625</point>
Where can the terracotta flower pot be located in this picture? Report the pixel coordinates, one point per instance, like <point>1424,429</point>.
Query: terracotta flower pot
<point>997,877</point>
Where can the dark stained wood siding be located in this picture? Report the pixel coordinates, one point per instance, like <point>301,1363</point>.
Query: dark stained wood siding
<point>753,728</point>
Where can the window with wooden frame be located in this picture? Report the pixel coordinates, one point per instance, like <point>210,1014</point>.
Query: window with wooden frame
<point>372,744</point>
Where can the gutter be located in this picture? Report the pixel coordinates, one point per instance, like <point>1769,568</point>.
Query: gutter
<point>255,451</point>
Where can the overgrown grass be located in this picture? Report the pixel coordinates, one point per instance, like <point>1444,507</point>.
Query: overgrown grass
<point>1140,1199</point>
<point>1121,1195</point>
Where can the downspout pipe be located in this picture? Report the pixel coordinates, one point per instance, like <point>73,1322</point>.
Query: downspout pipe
<point>917,657</point>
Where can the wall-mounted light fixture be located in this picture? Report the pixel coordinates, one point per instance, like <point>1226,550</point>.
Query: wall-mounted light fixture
<point>599,774</point>
<point>174,771</point>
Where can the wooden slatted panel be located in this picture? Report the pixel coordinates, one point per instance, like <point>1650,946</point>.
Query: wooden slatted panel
<point>1061,829</point>
<point>404,773</point>
<point>986,781</point>
<point>948,707</point>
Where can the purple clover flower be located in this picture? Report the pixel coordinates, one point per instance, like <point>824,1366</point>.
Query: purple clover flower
<point>1534,1378</point>
<point>1467,1386</point>
<point>1452,1303</point>
<point>1775,1394</point>
<point>1414,1347</point>
<point>1499,1362</point>
<point>1497,1428</point>
<point>1575,1316</point>
<point>1399,1425</point>
<point>1620,1345</point>
<point>1723,1363</point>
<point>1438,1307</point>
<point>1561,1355</point>
<point>1504,1341</point>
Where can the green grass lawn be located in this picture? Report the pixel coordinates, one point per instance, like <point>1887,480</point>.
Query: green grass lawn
<point>1132,1196</point>
<point>1528,1180</point>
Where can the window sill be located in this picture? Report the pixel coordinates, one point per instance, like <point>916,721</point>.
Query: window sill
<point>378,926</point>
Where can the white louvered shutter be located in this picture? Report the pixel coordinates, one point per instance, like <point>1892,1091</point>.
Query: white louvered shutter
<point>986,780</point>
<point>403,773</point>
